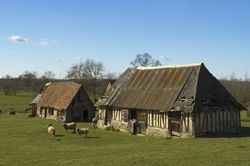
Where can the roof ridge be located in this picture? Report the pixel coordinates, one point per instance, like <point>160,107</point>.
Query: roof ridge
<point>170,66</point>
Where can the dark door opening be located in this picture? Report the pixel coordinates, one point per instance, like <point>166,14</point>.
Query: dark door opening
<point>141,121</point>
<point>106,117</point>
<point>138,121</point>
<point>175,124</point>
<point>133,114</point>
<point>85,115</point>
<point>133,117</point>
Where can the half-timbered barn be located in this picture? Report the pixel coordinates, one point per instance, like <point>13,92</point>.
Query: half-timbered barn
<point>181,100</point>
<point>66,102</point>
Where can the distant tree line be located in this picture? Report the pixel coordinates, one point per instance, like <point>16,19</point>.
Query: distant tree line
<point>92,75</point>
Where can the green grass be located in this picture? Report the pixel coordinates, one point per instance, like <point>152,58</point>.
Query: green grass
<point>18,103</point>
<point>25,141</point>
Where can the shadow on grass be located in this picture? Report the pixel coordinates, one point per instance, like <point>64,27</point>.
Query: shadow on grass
<point>59,135</point>
<point>244,132</point>
<point>90,137</point>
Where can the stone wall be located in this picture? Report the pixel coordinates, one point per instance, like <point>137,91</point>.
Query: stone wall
<point>118,125</point>
<point>153,131</point>
<point>100,123</point>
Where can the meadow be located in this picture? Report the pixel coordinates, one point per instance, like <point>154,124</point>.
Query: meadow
<point>25,141</point>
<point>19,103</point>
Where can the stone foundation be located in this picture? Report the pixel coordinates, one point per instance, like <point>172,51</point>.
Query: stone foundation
<point>100,123</point>
<point>185,135</point>
<point>118,125</point>
<point>157,132</point>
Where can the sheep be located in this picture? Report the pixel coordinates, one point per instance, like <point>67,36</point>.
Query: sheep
<point>83,131</point>
<point>70,126</point>
<point>51,129</point>
<point>94,122</point>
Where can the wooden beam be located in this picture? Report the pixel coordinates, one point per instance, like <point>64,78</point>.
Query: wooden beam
<point>207,121</point>
<point>215,121</point>
<point>219,121</point>
<point>203,121</point>
<point>199,121</point>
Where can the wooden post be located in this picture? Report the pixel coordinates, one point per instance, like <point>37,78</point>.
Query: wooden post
<point>199,121</point>
<point>216,121</point>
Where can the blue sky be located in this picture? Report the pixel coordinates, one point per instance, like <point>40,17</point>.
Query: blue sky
<point>44,35</point>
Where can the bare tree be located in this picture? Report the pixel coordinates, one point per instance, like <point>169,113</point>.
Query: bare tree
<point>247,79</point>
<point>145,60</point>
<point>98,69</point>
<point>111,76</point>
<point>28,75</point>
<point>89,69</point>
<point>73,72</point>
<point>48,75</point>
<point>30,79</point>
<point>7,76</point>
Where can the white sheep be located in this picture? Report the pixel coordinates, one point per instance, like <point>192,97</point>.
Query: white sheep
<point>51,129</point>
<point>83,131</point>
<point>69,126</point>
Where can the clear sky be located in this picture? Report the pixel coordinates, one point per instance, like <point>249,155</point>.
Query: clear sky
<point>42,35</point>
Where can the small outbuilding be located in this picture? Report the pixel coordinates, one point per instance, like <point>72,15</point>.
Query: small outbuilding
<point>66,102</point>
<point>180,100</point>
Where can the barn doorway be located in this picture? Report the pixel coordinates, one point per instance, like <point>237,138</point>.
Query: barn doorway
<point>133,114</point>
<point>139,120</point>
<point>133,117</point>
<point>175,125</point>
<point>85,115</point>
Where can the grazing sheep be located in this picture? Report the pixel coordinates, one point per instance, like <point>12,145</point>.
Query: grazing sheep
<point>51,129</point>
<point>12,113</point>
<point>70,126</point>
<point>94,122</point>
<point>83,131</point>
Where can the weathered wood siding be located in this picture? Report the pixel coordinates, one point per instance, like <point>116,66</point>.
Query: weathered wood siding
<point>101,113</point>
<point>187,125</point>
<point>116,114</point>
<point>157,119</point>
<point>119,119</point>
<point>217,121</point>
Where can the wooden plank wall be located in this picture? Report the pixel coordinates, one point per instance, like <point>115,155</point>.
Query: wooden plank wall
<point>101,113</point>
<point>187,124</point>
<point>217,121</point>
<point>116,114</point>
<point>157,119</point>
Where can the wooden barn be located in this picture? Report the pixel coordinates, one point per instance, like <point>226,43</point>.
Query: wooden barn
<point>180,100</point>
<point>66,102</point>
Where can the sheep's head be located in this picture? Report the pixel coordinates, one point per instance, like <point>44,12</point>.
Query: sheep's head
<point>49,124</point>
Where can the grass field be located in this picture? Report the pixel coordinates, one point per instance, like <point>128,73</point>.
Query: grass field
<point>18,103</point>
<point>25,141</point>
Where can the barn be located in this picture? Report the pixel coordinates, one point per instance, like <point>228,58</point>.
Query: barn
<point>179,100</point>
<point>66,102</point>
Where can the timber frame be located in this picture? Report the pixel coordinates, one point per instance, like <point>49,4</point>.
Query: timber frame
<point>183,100</point>
<point>65,102</point>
